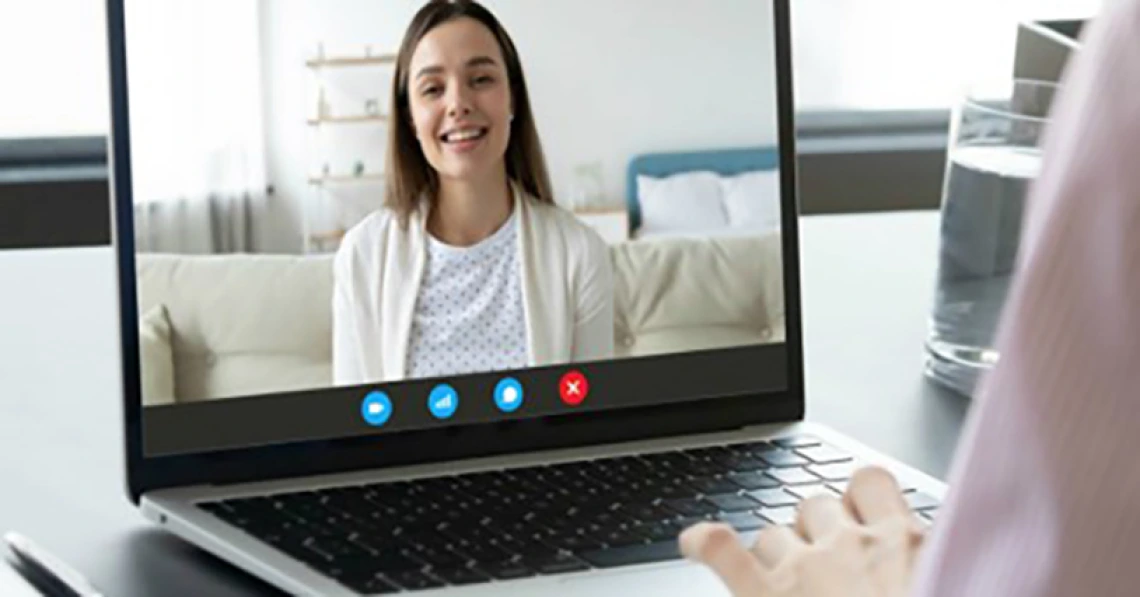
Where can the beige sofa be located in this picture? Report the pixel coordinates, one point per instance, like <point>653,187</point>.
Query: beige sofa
<point>236,325</point>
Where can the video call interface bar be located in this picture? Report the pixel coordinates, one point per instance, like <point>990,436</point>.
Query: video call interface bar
<point>482,398</point>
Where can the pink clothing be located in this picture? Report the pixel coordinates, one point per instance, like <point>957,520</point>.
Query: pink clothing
<point>1045,490</point>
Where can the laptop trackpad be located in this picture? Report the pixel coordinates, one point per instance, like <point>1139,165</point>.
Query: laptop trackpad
<point>680,578</point>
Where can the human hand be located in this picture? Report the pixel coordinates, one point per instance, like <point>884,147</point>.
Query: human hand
<point>863,546</point>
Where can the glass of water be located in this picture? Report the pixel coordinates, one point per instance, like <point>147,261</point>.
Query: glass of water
<point>994,156</point>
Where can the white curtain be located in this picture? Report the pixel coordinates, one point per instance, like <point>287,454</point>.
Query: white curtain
<point>197,146</point>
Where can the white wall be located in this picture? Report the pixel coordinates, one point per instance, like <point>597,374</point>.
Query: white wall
<point>908,54</point>
<point>849,53</point>
<point>53,58</point>
<point>608,79</point>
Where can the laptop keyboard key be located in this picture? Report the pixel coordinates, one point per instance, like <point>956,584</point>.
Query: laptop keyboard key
<point>661,531</point>
<point>742,521</point>
<point>713,485</point>
<point>335,549</point>
<point>672,491</point>
<point>460,576</point>
<point>745,463</point>
<point>648,513</point>
<point>394,560</point>
<point>692,507</point>
<point>824,454</point>
<point>783,458</point>
<point>733,503</point>
<point>557,564</point>
<point>785,515</point>
<point>507,570</point>
<point>806,491</point>
<point>774,497</point>
<point>435,557</point>
<point>921,501</point>
<point>687,521</point>
<point>370,586</point>
<point>482,552</point>
<point>793,476</point>
<point>623,537</point>
<point>575,542</point>
<point>414,580</point>
<point>635,554</point>
<point>837,471</point>
<point>753,480</point>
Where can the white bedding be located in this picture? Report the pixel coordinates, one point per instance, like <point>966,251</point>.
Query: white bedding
<point>704,203</point>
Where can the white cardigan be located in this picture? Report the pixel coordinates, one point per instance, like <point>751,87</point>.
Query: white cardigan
<point>567,285</point>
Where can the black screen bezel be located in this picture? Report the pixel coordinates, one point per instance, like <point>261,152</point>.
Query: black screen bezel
<point>338,455</point>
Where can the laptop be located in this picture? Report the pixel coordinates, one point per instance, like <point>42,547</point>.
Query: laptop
<point>652,378</point>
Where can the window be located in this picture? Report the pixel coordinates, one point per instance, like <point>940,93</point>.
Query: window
<point>53,56</point>
<point>892,55</point>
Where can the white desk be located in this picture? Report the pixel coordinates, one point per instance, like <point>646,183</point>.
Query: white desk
<point>867,282</point>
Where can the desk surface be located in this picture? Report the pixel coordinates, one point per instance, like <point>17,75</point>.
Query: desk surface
<point>867,284</point>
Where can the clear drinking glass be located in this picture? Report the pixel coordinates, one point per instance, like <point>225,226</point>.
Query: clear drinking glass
<point>994,156</point>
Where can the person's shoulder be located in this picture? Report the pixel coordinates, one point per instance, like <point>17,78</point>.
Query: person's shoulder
<point>374,226</point>
<point>577,234</point>
<point>363,240</point>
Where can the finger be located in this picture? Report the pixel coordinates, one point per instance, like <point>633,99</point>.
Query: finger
<point>873,495</point>
<point>775,544</point>
<point>821,516</point>
<point>718,547</point>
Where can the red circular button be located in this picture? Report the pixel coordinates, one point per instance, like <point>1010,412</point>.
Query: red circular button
<point>574,388</point>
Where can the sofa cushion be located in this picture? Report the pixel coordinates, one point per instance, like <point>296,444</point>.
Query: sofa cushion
<point>691,338</point>
<point>157,360</point>
<point>241,318</point>
<point>678,283</point>
<point>253,324</point>
<point>249,374</point>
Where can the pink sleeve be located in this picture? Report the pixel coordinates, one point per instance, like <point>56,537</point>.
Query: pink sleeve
<point>1045,489</point>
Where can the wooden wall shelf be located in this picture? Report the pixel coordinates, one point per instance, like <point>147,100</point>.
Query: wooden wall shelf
<point>332,208</point>
<point>369,178</point>
<point>347,61</point>
<point>355,119</point>
<point>327,237</point>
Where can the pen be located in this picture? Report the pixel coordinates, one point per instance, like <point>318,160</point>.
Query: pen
<point>48,565</point>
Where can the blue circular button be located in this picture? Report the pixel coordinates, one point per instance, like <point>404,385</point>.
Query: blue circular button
<point>508,395</point>
<point>376,409</point>
<point>443,401</point>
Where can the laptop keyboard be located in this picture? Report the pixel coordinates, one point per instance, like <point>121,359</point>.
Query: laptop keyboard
<point>476,528</point>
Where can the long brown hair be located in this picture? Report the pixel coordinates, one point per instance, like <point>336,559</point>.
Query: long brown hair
<point>409,176</point>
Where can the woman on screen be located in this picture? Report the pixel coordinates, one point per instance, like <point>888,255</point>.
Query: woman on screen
<point>470,266</point>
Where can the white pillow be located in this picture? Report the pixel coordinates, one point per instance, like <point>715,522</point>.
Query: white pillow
<point>156,357</point>
<point>752,199</point>
<point>686,202</point>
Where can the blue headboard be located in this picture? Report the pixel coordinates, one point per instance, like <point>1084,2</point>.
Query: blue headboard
<point>722,161</point>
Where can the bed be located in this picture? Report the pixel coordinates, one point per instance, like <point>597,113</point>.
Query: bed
<point>714,192</point>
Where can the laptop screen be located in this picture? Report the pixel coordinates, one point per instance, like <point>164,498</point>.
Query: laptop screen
<point>361,217</point>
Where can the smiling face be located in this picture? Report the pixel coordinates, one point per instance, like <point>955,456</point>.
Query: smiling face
<point>459,96</point>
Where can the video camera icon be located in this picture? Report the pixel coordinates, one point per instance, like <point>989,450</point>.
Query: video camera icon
<point>443,401</point>
<point>376,408</point>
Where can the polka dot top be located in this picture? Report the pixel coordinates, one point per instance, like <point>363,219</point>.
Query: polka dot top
<point>469,315</point>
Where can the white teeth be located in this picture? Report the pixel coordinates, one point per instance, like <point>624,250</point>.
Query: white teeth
<point>464,135</point>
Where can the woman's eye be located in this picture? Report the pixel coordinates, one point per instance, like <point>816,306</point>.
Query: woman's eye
<point>483,79</point>
<point>430,91</point>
